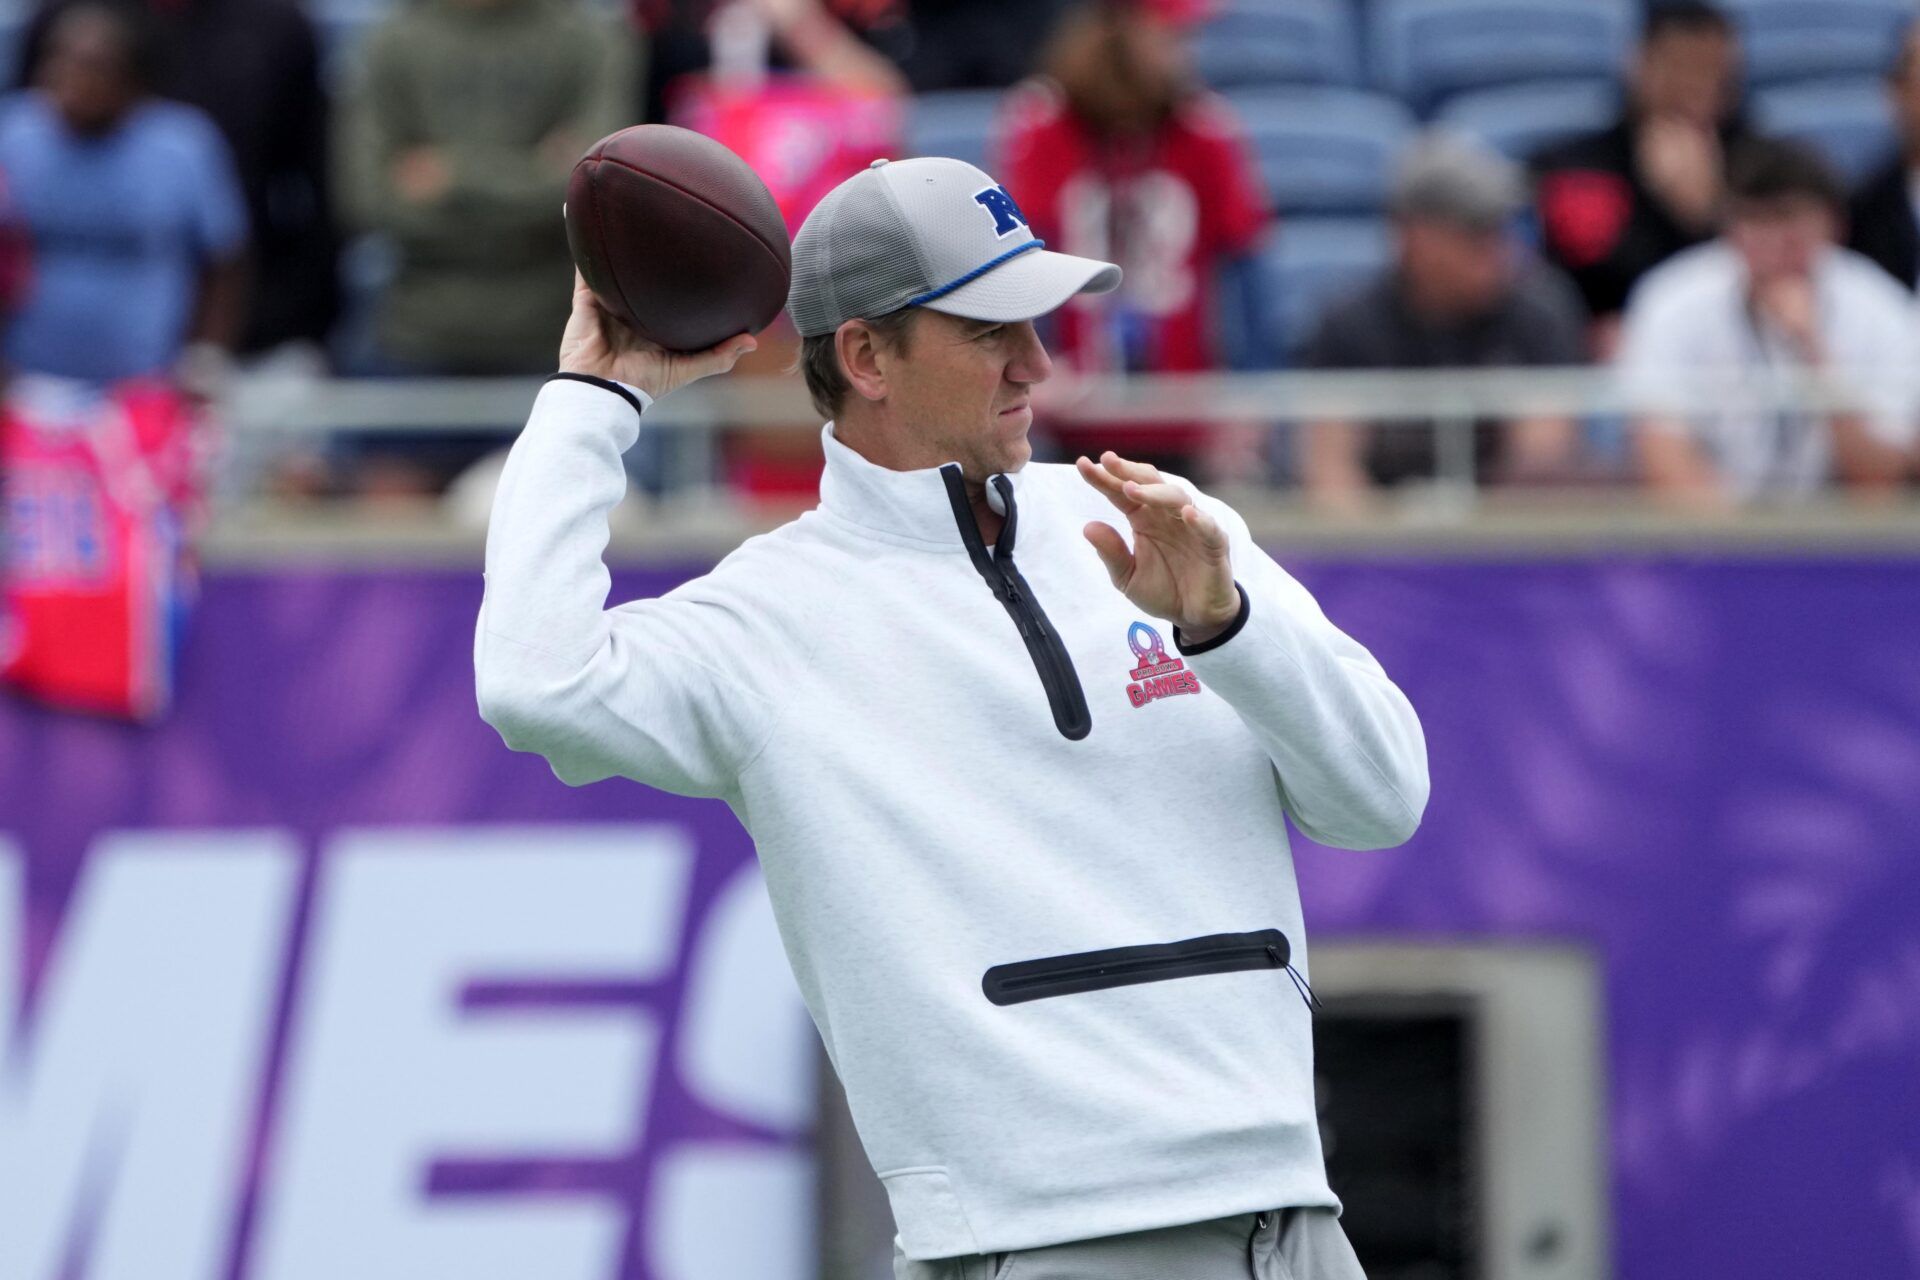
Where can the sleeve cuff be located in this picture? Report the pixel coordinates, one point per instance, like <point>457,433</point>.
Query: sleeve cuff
<point>1233,628</point>
<point>633,395</point>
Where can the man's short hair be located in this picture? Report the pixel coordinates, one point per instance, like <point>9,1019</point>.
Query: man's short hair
<point>1775,169</point>
<point>1683,17</point>
<point>819,360</point>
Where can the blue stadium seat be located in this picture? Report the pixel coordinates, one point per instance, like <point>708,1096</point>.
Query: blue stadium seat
<point>1800,39</point>
<point>1324,150</point>
<point>1313,262</point>
<point>1424,50</point>
<point>1279,42</point>
<point>1850,121</point>
<point>1523,119</point>
<point>957,123</point>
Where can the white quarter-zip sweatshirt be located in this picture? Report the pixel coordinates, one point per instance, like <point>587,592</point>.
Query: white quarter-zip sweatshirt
<point>1028,855</point>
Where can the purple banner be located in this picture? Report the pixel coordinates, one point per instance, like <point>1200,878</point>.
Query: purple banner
<point>428,999</point>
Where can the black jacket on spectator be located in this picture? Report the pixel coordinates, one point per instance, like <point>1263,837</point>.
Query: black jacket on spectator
<point>1538,323</point>
<point>1599,223</point>
<point>254,66</point>
<point>1882,222</point>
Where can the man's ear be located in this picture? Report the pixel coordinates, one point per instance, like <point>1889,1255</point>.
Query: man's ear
<point>859,352</point>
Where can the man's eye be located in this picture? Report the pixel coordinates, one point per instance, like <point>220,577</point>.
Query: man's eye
<point>994,332</point>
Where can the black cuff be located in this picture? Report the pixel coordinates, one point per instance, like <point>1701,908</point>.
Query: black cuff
<point>603,384</point>
<point>1233,628</point>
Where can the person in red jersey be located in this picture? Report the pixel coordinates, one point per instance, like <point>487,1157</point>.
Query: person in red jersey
<point>1116,153</point>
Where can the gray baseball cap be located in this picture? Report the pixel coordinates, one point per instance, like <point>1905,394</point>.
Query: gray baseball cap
<point>1450,178</point>
<point>928,233</point>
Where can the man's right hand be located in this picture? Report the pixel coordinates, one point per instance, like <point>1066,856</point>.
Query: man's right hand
<point>601,347</point>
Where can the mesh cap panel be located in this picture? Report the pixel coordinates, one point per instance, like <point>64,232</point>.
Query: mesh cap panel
<point>855,257</point>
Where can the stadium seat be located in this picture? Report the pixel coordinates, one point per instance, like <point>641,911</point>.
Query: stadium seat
<point>1424,50</point>
<point>1800,39</point>
<point>1324,150</point>
<point>1850,121</point>
<point>957,123</point>
<point>1523,119</point>
<point>1279,42</point>
<point>1313,262</point>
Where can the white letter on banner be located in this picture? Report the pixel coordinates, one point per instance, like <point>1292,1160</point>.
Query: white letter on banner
<point>747,1049</point>
<point>386,1074</point>
<point>125,1115</point>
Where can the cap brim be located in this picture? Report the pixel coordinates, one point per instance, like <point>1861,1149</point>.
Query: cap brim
<point>1027,286</point>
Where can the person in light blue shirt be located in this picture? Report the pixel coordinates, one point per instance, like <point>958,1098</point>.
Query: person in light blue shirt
<point>131,208</point>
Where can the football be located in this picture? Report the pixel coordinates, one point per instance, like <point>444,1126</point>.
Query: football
<point>677,237</point>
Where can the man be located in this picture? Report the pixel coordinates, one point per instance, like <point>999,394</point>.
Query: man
<point>1743,324</point>
<point>254,67</point>
<point>456,140</point>
<point>1884,221</point>
<point>1459,294</point>
<point>1617,203</point>
<point>131,210</point>
<point>1018,779</point>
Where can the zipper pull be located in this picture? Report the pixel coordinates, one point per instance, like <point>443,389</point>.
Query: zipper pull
<point>1300,985</point>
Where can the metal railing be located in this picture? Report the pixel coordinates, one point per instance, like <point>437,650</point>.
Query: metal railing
<point>470,404</point>
<point>267,414</point>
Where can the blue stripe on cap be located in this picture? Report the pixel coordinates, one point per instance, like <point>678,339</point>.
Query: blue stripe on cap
<point>974,274</point>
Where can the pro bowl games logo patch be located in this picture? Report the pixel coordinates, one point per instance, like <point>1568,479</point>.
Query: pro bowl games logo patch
<point>1157,675</point>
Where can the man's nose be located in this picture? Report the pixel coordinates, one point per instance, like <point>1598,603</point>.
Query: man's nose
<point>1030,363</point>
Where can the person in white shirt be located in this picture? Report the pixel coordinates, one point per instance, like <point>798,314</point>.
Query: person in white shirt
<point>1721,340</point>
<point>1017,744</point>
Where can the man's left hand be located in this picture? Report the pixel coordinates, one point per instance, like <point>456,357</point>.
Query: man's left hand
<point>1179,568</point>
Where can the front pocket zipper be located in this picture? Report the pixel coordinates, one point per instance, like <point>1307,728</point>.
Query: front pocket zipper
<point>1024,980</point>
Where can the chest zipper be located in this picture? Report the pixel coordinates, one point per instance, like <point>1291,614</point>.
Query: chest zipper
<point>1048,652</point>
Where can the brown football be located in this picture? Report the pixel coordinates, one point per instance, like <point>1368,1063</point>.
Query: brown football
<point>677,237</point>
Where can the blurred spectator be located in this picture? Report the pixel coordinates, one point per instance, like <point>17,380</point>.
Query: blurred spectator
<point>1885,214</point>
<point>131,208</point>
<point>852,44</point>
<point>254,67</point>
<point>1461,293</point>
<point>1773,306</point>
<point>803,131</point>
<point>456,140</point>
<point>1118,155</point>
<point>1617,203</point>
<point>934,44</point>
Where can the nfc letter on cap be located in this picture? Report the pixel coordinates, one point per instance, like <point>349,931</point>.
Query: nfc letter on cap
<point>1007,217</point>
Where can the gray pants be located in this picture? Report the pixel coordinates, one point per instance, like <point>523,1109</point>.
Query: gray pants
<point>1287,1244</point>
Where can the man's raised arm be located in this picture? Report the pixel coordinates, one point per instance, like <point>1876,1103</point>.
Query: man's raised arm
<point>638,691</point>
